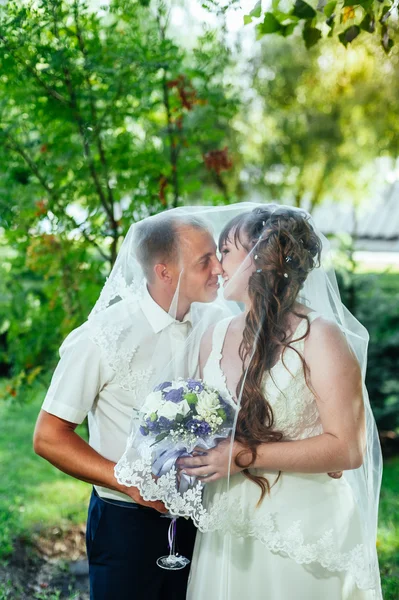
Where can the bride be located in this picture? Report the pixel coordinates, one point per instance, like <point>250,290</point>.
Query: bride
<point>287,530</point>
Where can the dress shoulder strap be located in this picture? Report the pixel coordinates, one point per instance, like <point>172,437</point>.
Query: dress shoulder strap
<point>219,333</point>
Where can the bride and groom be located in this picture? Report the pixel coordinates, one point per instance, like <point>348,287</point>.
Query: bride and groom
<point>283,352</point>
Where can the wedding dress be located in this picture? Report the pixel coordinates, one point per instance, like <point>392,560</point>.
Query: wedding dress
<point>277,551</point>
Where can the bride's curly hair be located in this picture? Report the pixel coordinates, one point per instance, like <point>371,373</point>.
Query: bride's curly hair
<point>287,249</point>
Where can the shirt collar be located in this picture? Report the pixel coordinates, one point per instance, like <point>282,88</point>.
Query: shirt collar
<point>157,317</point>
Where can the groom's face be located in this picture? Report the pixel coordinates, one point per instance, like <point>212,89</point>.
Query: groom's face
<point>200,265</point>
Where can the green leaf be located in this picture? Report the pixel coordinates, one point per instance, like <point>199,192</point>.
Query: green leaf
<point>331,23</point>
<point>311,35</point>
<point>368,23</point>
<point>247,19</point>
<point>153,417</point>
<point>347,36</point>
<point>287,30</point>
<point>329,9</point>
<point>303,10</point>
<point>222,413</point>
<point>160,437</point>
<point>257,10</point>
<point>179,418</point>
<point>386,41</point>
<point>364,3</point>
<point>269,25</point>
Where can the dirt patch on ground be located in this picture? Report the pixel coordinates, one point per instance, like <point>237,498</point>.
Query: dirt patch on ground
<point>51,565</point>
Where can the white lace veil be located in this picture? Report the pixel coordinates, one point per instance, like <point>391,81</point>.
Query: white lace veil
<point>287,524</point>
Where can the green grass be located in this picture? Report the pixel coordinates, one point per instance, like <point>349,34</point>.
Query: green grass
<point>388,531</point>
<point>34,495</point>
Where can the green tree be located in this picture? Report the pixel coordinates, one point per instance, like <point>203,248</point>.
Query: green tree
<point>345,20</point>
<point>104,119</point>
<point>315,126</point>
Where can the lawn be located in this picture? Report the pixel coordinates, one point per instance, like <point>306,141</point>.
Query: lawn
<point>34,495</point>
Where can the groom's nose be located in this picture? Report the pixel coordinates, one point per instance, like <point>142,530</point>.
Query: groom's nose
<point>217,268</point>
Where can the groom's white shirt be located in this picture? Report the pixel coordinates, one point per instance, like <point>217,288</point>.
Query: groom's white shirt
<point>84,383</point>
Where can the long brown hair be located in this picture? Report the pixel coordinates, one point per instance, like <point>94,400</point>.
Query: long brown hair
<point>285,250</point>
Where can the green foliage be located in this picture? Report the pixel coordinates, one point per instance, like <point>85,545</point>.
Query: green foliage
<point>314,127</point>
<point>32,492</point>
<point>104,119</point>
<point>374,299</point>
<point>377,17</point>
<point>388,531</point>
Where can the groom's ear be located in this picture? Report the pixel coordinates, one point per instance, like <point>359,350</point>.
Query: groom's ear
<point>163,273</point>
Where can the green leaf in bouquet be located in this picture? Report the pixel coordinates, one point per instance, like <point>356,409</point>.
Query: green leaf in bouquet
<point>160,437</point>
<point>191,398</point>
<point>222,413</point>
<point>153,417</point>
<point>179,418</point>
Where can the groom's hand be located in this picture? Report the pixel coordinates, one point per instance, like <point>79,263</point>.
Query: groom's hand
<point>135,495</point>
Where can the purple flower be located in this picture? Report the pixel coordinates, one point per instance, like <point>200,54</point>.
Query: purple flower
<point>151,425</point>
<point>194,385</point>
<point>143,430</point>
<point>162,386</point>
<point>175,395</point>
<point>164,423</point>
<point>199,428</point>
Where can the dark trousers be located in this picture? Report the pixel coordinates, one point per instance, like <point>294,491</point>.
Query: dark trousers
<point>123,543</point>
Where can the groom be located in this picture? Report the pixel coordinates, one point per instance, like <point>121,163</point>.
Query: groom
<point>125,534</point>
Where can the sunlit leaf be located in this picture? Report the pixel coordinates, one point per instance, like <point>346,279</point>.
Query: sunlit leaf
<point>303,10</point>
<point>257,10</point>
<point>311,36</point>
<point>270,24</point>
<point>329,9</point>
<point>347,36</point>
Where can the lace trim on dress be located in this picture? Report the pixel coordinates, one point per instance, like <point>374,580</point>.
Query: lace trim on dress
<point>230,517</point>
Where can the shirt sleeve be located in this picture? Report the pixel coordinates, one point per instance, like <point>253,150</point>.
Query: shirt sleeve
<point>77,379</point>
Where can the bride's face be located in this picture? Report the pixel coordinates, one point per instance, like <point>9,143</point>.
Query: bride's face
<point>237,267</point>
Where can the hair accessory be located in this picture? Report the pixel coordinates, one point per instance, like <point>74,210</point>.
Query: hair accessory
<point>263,223</point>
<point>256,257</point>
<point>286,275</point>
<point>259,270</point>
<point>288,259</point>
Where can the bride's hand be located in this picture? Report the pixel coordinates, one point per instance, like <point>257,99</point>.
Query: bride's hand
<point>214,464</point>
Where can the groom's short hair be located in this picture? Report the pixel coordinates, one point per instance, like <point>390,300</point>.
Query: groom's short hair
<point>157,239</point>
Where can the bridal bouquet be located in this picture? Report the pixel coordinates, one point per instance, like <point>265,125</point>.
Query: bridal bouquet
<point>179,416</point>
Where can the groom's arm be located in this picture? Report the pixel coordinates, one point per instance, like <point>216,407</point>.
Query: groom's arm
<point>55,440</point>
<point>78,378</point>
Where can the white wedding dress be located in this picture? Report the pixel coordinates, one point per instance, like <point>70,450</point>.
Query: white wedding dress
<point>304,541</point>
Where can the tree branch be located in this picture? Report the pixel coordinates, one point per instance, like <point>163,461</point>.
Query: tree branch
<point>51,91</point>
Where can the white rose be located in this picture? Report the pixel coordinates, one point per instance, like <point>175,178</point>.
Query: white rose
<point>207,403</point>
<point>152,403</point>
<point>169,410</point>
<point>184,408</point>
